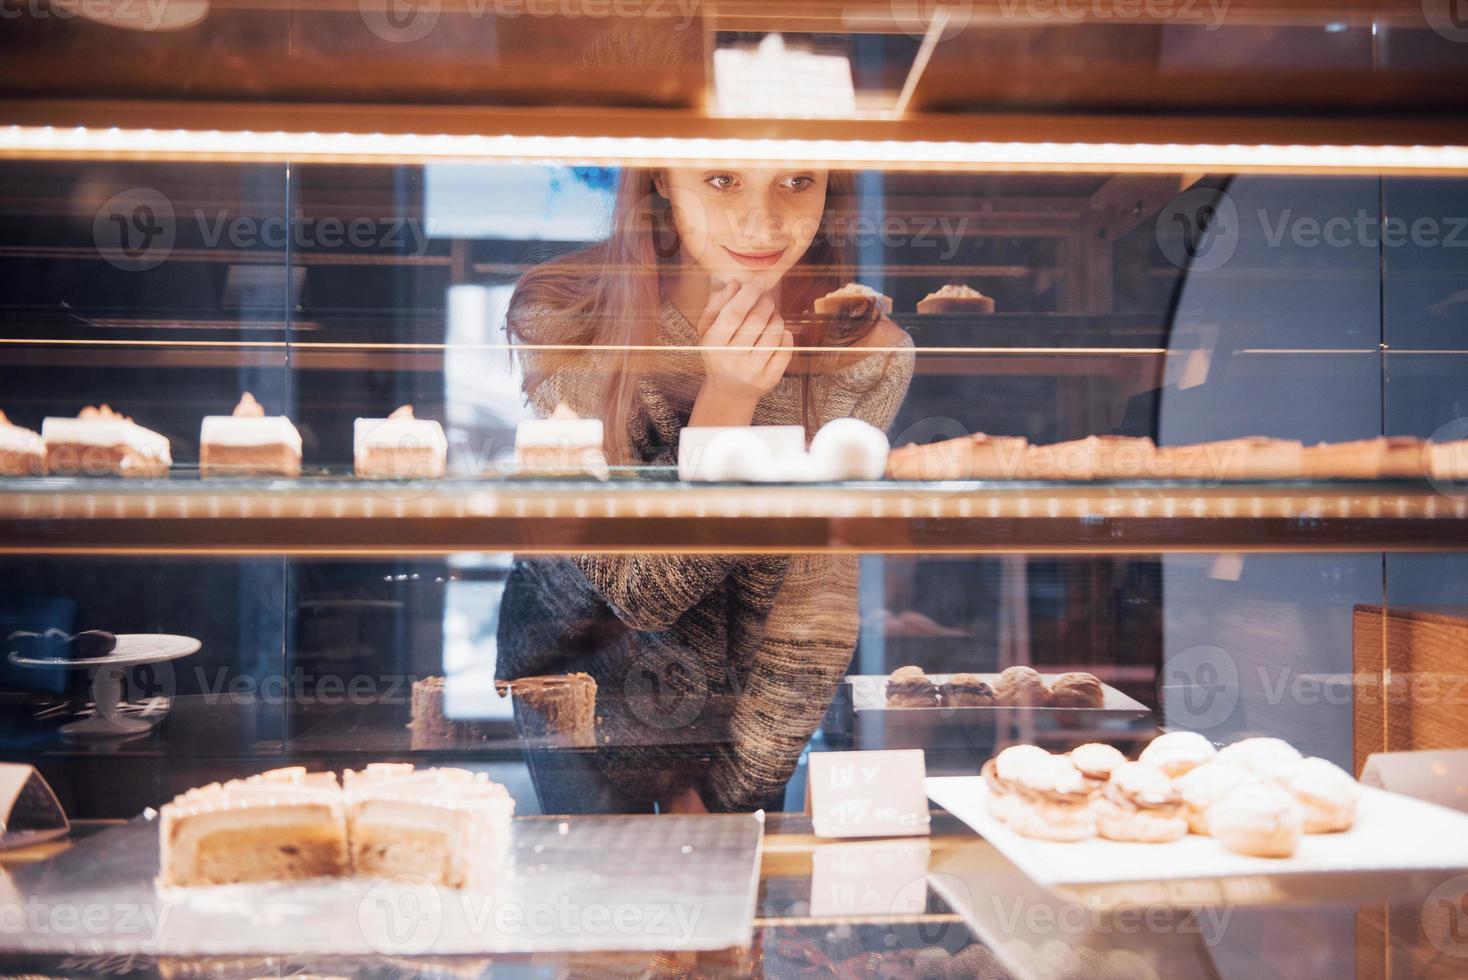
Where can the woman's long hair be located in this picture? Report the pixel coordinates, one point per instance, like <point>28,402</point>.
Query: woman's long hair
<point>607,295</point>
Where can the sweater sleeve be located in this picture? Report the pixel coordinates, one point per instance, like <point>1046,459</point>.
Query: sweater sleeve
<point>648,592</point>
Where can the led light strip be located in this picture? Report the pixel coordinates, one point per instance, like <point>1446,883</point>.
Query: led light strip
<point>48,142</point>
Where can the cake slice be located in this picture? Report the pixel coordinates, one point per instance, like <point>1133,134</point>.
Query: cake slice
<point>956,297</point>
<point>280,825</point>
<point>554,705</point>
<point>399,447</point>
<point>431,727</point>
<point>450,826</point>
<point>249,443</point>
<point>1448,460</point>
<point>563,445</point>
<point>1249,458</point>
<point>1367,459</point>
<point>22,453</point>
<point>1091,458</point>
<point>851,298</point>
<point>101,442</point>
<point>973,457</point>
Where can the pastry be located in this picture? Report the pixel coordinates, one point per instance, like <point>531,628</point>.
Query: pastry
<point>1325,792</point>
<point>432,728</point>
<point>1367,459</point>
<point>1096,760</point>
<point>1139,803</point>
<point>966,691</point>
<point>849,449</point>
<point>554,705</point>
<point>1175,753</point>
<point>399,447</point>
<point>909,687</point>
<point>100,442</point>
<point>1002,772</point>
<point>563,445</point>
<point>1259,820</point>
<point>22,453</point>
<point>1021,686</point>
<point>1266,758</point>
<point>1077,689</point>
<point>1121,457</point>
<point>1250,458</point>
<point>975,457</point>
<point>956,297</point>
<point>1052,801</point>
<point>1206,785</point>
<point>853,298</point>
<point>450,826</point>
<point>249,443</point>
<point>283,824</point>
<point>57,644</point>
<point>1448,460</point>
<point>1000,797</point>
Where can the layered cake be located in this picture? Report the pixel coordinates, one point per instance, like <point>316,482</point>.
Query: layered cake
<point>1367,459</point>
<point>249,442</point>
<point>450,826</point>
<point>100,442</point>
<point>432,727</point>
<point>956,297</point>
<point>22,453</point>
<point>853,297</point>
<point>561,705</point>
<point>399,447</point>
<point>282,824</point>
<point>563,445</point>
<point>974,457</point>
<point>1448,460</point>
<point>1249,458</point>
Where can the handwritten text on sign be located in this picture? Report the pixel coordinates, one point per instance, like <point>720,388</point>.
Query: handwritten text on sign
<point>868,794</point>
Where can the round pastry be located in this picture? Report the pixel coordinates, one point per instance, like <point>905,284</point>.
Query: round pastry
<point>1139,803</point>
<point>1021,686</point>
<point>1017,759</point>
<point>850,449</point>
<point>1178,752</point>
<point>1053,801</point>
<point>1096,760</point>
<point>1206,785</point>
<point>1259,819</point>
<point>967,691</point>
<point>1000,798</point>
<point>909,687</point>
<point>1326,793</point>
<point>1267,758</point>
<point>1077,690</point>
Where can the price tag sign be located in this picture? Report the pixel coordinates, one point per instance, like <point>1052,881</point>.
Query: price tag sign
<point>868,794</point>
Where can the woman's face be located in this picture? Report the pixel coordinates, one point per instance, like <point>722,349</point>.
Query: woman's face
<point>748,225</point>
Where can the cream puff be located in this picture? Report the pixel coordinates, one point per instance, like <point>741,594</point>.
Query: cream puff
<point>1176,753</point>
<point>1096,760</point>
<point>1204,786</point>
<point>1139,803</point>
<point>909,687</point>
<point>1260,820</point>
<point>1022,687</point>
<point>1053,802</point>
<point>1001,772</point>
<point>1325,792</point>
<point>1077,689</point>
<point>966,691</point>
<point>1267,758</point>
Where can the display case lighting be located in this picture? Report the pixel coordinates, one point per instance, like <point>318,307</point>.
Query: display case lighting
<point>47,142</point>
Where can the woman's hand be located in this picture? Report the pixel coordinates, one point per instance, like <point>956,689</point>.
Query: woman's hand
<point>745,349</point>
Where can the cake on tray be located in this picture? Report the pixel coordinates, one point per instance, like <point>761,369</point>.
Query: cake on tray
<point>101,442</point>
<point>22,453</point>
<point>955,297</point>
<point>399,447</point>
<point>853,297</point>
<point>564,444</point>
<point>249,442</point>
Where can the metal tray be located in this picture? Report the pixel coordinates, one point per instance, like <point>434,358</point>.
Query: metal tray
<point>574,885</point>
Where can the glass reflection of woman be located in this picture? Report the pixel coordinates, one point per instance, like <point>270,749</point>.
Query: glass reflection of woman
<point>679,317</point>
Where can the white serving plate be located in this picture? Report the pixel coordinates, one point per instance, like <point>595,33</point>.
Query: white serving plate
<point>1392,833</point>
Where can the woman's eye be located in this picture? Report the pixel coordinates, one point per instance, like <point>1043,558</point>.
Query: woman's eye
<point>721,182</point>
<point>800,183</point>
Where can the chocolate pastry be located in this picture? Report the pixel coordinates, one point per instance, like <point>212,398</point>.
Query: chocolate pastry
<point>909,687</point>
<point>555,704</point>
<point>967,691</point>
<point>1022,686</point>
<point>56,644</point>
<point>1077,690</point>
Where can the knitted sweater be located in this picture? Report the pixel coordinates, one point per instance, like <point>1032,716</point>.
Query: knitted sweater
<point>740,652</point>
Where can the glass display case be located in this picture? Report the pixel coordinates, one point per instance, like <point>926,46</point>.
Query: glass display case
<point>1229,242</point>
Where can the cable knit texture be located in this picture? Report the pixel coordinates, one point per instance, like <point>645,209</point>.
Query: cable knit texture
<point>742,653</point>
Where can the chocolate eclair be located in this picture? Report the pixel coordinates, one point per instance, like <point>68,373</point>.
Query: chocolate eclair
<point>909,687</point>
<point>967,691</point>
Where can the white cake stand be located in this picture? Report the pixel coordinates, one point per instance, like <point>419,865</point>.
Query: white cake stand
<point>106,680</point>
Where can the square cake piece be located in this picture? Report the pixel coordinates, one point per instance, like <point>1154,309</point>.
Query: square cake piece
<point>852,297</point>
<point>1249,458</point>
<point>955,297</point>
<point>1367,459</point>
<point>450,826</point>
<point>249,442</point>
<point>563,445</point>
<point>973,457</point>
<point>101,442</point>
<point>22,453</point>
<point>1091,458</point>
<point>1448,460</point>
<point>399,447</point>
<point>280,825</point>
